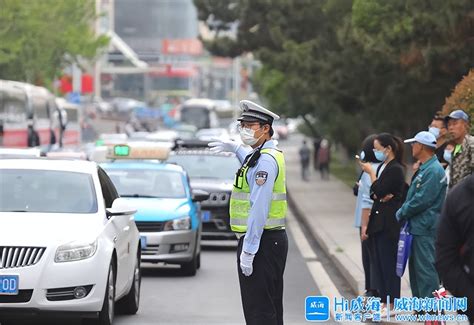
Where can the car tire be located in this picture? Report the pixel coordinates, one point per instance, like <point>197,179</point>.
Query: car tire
<point>106,315</point>
<point>199,261</point>
<point>131,302</point>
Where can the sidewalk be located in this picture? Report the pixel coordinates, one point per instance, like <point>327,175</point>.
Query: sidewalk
<point>328,207</point>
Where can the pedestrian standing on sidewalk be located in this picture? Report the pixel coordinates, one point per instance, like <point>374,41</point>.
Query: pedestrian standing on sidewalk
<point>421,210</point>
<point>447,155</point>
<point>388,182</point>
<point>257,215</point>
<point>363,206</point>
<point>304,160</point>
<point>316,146</point>
<point>455,243</point>
<point>439,129</point>
<point>323,159</point>
<point>462,161</point>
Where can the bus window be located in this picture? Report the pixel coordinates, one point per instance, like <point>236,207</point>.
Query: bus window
<point>13,109</point>
<point>13,116</point>
<point>40,107</point>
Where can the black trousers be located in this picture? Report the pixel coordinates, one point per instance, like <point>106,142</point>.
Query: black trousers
<point>262,291</point>
<point>383,256</point>
<point>365,245</point>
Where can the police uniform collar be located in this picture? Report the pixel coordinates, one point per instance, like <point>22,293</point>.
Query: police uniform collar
<point>269,144</point>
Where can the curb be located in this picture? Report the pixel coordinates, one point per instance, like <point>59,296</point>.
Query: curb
<point>336,257</point>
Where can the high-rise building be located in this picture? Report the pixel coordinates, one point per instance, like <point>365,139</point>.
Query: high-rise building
<point>164,34</point>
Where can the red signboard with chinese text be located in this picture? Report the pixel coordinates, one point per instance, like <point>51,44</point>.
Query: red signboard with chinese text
<point>181,46</point>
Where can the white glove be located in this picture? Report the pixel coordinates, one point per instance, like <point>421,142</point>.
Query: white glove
<point>224,146</point>
<point>246,260</point>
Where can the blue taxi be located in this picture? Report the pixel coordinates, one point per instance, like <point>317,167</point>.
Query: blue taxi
<point>168,212</point>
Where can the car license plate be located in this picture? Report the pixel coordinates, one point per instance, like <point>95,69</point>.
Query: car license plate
<point>206,215</point>
<point>9,284</point>
<point>143,242</point>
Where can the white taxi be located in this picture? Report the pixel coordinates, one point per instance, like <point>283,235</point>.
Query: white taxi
<point>68,242</point>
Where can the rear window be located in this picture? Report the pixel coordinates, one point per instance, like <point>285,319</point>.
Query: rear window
<point>28,190</point>
<point>147,183</point>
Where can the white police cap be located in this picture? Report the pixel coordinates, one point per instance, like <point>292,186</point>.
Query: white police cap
<point>253,112</point>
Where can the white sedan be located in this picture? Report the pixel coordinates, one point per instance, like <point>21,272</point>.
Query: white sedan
<point>68,243</point>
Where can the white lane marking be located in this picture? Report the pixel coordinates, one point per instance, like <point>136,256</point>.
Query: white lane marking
<point>319,274</point>
<point>303,245</point>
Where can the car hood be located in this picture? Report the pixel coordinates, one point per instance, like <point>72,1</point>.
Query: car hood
<point>155,209</point>
<point>43,229</point>
<point>212,185</point>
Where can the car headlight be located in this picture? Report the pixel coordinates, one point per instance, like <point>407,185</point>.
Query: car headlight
<point>178,224</point>
<point>75,251</point>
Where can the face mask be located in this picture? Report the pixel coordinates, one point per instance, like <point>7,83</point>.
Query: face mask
<point>380,155</point>
<point>434,131</point>
<point>447,155</point>
<point>247,136</point>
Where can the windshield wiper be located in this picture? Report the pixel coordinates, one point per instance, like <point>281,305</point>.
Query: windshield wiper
<point>140,195</point>
<point>16,211</point>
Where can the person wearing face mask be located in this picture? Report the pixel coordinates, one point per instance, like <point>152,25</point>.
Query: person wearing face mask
<point>362,211</point>
<point>257,215</point>
<point>387,191</point>
<point>439,129</point>
<point>448,155</point>
<point>422,209</point>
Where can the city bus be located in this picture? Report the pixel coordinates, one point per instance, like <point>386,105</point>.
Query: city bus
<point>27,116</point>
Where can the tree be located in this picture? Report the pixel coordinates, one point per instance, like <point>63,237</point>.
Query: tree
<point>39,38</point>
<point>358,66</point>
<point>462,97</point>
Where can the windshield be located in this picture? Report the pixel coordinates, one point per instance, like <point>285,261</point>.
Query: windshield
<point>28,190</point>
<point>207,166</point>
<point>72,115</point>
<point>196,115</point>
<point>147,183</point>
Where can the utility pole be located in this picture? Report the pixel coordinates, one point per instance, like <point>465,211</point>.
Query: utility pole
<point>236,81</point>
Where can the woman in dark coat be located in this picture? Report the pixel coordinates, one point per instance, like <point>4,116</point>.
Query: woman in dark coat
<point>387,190</point>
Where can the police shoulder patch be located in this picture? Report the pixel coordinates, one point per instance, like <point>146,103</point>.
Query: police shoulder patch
<point>261,177</point>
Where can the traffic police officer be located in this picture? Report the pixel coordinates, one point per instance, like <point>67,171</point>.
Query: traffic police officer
<point>257,215</point>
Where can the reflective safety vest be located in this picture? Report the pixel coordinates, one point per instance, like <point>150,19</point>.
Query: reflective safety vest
<point>240,198</point>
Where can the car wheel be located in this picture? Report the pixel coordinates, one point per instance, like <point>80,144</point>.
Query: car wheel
<point>106,315</point>
<point>130,303</point>
<point>199,261</point>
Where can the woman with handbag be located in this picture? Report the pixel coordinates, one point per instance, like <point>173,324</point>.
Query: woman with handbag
<point>388,182</point>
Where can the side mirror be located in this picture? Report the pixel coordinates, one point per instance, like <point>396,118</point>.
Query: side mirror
<point>119,207</point>
<point>199,195</point>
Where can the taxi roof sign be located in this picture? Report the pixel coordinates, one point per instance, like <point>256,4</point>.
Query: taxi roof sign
<point>122,150</point>
<point>138,151</point>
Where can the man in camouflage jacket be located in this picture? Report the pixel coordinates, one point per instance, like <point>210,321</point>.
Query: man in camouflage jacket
<point>462,162</point>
